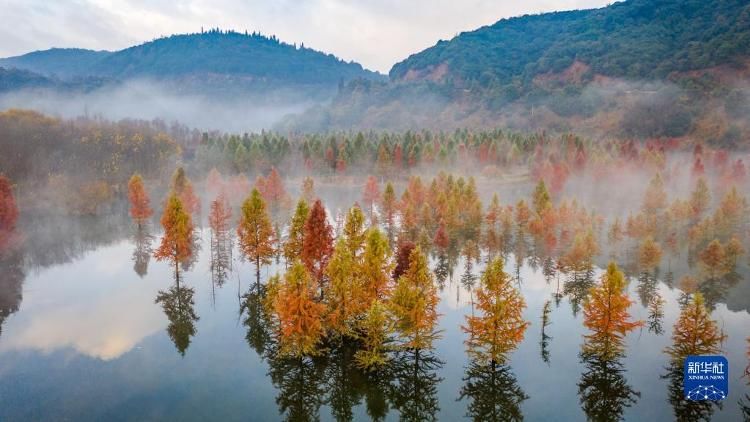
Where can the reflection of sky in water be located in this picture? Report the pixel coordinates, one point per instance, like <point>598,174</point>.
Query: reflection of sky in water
<point>89,342</point>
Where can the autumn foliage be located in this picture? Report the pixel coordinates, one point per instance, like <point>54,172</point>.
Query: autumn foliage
<point>695,332</point>
<point>606,315</point>
<point>317,243</point>
<point>500,326</point>
<point>8,208</point>
<point>414,304</point>
<point>299,314</point>
<point>183,188</point>
<point>255,233</point>
<point>177,243</point>
<point>140,205</point>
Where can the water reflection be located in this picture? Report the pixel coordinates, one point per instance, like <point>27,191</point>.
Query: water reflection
<point>179,307</point>
<point>59,305</point>
<point>603,389</point>
<point>256,322</point>
<point>493,392</point>
<point>12,275</point>
<point>143,250</point>
<point>414,393</point>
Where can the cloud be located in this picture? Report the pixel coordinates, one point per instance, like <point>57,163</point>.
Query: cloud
<point>374,33</point>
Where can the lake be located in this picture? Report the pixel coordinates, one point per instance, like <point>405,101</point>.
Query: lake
<point>87,340</point>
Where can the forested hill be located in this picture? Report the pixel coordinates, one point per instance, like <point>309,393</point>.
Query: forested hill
<point>217,53</point>
<point>634,39</point>
<point>59,62</point>
<point>637,68</point>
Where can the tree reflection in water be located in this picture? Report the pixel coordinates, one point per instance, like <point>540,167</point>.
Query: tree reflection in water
<point>12,275</point>
<point>142,252</point>
<point>494,392</point>
<point>686,410</point>
<point>407,384</point>
<point>178,306</point>
<point>415,380</point>
<point>603,389</point>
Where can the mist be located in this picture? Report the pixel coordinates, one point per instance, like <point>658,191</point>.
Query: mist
<point>148,100</point>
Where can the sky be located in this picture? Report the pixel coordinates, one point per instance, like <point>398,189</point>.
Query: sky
<point>376,34</point>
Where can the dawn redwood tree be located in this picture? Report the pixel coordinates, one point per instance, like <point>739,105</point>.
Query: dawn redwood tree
<point>344,295</point>
<point>317,243</point>
<point>405,247</point>
<point>500,326</point>
<point>376,266</point>
<point>541,200</point>
<point>177,242</point>
<point>695,333</point>
<point>182,187</point>
<point>649,254</point>
<point>414,303</point>
<point>605,314</point>
<point>700,199</point>
<point>308,189</point>
<point>714,260</point>
<point>298,313</point>
<point>389,203</point>
<point>140,205</point>
<point>371,194</point>
<point>492,240</point>
<point>376,329</point>
<point>273,192</point>
<point>255,232</point>
<point>218,220</point>
<point>8,208</point>
<point>441,240</point>
<point>293,245</point>
<point>354,230</point>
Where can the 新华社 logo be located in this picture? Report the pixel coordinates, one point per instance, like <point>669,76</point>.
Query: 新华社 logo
<point>706,378</point>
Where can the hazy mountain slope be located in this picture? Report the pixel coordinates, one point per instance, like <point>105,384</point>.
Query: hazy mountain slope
<point>225,53</point>
<point>640,68</point>
<point>60,62</point>
<point>213,80</point>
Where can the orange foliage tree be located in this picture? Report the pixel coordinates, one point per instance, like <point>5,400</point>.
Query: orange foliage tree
<point>389,208</point>
<point>500,326</point>
<point>317,243</point>
<point>605,314</point>
<point>293,245</point>
<point>255,233</point>
<point>414,304</point>
<point>299,315</point>
<point>140,205</point>
<point>182,187</point>
<point>273,192</point>
<point>8,208</point>
<point>177,242</point>
<point>376,266</point>
<point>695,333</point>
<point>344,293</point>
<point>371,194</point>
<point>714,260</point>
<point>649,254</point>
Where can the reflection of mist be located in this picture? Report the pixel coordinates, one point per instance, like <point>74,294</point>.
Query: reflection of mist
<point>87,306</point>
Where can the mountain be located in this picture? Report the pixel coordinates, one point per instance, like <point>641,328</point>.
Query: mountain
<point>225,53</point>
<point>57,62</point>
<point>636,68</point>
<point>221,80</point>
<point>635,39</point>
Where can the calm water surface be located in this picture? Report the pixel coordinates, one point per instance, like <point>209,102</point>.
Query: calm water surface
<point>89,342</point>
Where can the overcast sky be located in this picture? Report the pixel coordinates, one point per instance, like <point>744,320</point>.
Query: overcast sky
<point>375,33</point>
